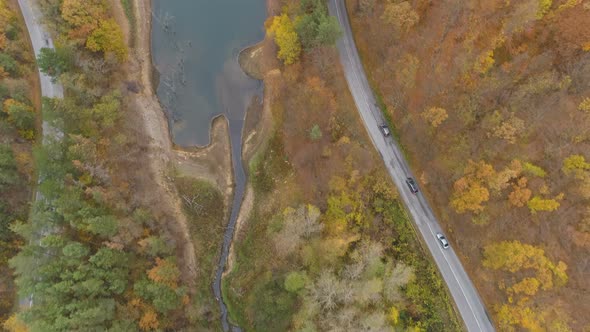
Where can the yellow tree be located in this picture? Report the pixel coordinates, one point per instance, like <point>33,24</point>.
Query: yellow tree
<point>393,316</point>
<point>283,32</point>
<point>501,180</point>
<point>520,315</point>
<point>401,15</point>
<point>513,256</point>
<point>539,204</point>
<point>509,130</point>
<point>527,286</point>
<point>14,324</point>
<point>435,116</point>
<point>484,63</point>
<point>83,15</point>
<point>149,321</point>
<point>470,190</point>
<point>585,104</point>
<point>575,164</point>
<point>468,196</point>
<point>108,38</point>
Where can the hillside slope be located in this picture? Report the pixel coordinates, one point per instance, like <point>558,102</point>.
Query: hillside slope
<point>491,102</point>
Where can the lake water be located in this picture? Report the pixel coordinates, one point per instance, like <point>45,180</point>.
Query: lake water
<point>195,44</point>
<point>195,47</point>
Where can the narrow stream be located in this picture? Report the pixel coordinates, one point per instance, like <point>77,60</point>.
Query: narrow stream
<point>195,47</point>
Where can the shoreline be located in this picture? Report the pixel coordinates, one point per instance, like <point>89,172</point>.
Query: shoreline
<point>196,160</point>
<point>149,80</point>
<point>211,162</point>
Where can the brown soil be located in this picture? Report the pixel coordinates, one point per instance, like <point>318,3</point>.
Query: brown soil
<point>119,15</point>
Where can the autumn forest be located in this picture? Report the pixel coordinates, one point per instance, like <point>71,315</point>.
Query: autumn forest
<point>107,225</point>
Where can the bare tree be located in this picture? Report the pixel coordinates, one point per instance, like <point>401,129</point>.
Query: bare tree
<point>299,223</point>
<point>394,278</point>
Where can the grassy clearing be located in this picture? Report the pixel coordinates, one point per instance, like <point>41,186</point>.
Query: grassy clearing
<point>267,168</point>
<point>203,205</point>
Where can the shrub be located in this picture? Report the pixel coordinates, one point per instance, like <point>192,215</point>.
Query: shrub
<point>315,133</point>
<point>295,281</point>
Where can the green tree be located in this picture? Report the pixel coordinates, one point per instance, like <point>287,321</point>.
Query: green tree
<point>156,246</point>
<point>8,171</point>
<point>315,26</point>
<point>22,116</point>
<point>9,65</point>
<point>163,297</point>
<point>108,110</point>
<point>328,31</point>
<point>54,62</point>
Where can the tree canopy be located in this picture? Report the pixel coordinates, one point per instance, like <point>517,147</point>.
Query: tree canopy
<point>283,31</point>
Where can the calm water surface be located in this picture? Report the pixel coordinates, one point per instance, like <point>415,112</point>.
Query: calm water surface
<point>195,45</point>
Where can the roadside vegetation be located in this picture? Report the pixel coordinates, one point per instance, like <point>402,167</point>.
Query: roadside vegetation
<point>328,245</point>
<point>18,132</point>
<point>93,255</point>
<point>491,101</point>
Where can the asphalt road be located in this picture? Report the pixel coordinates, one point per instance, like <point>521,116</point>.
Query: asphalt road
<point>461,289</point>
<point>40,39</point>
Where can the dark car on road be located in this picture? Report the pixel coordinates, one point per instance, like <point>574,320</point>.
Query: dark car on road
<point>412,184</point>
<point>384,130</point>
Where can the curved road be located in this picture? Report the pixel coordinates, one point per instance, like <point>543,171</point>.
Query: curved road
<point>465,295</point>
<point>40,39</point>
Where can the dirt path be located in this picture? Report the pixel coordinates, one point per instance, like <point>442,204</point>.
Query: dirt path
<point>121,18</point>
